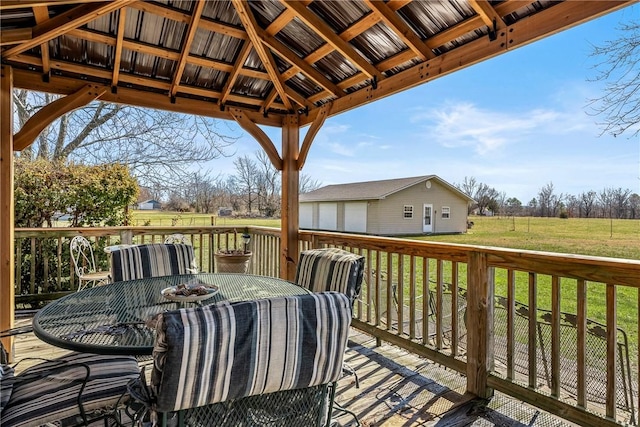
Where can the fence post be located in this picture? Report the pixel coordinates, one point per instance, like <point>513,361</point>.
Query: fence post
<point>479,324</point>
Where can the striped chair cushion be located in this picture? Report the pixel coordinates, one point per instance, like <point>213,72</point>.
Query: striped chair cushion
<point>226,351</point>
<point>49,390</point>
<point>331,269</point>
<point>6,384</point>
<point>152,260</point>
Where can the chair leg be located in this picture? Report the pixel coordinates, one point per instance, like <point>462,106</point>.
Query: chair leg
<point>339,408</point>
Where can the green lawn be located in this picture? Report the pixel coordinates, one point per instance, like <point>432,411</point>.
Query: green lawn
<point>600,237</point>
<point>619,238</point>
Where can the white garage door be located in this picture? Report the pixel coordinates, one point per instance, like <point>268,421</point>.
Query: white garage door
<point>328,216</point>
<point>305,215</point>
<point>355,217</point>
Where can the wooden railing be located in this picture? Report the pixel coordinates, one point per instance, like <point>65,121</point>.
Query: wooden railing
<point>558,331</point>
<point>44,269</point>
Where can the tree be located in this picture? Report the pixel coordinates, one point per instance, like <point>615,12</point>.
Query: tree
<point>246,181</point>
<point>91,195</point>
<point>268,181</point>
<point>308,184</point>
<point>514,206</point>
<point>587,203</point>
<point>157,146</point>
<point>486,197</point>
<point>619,61</point>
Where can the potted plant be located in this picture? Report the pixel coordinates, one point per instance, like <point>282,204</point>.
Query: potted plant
<point>234,260</point>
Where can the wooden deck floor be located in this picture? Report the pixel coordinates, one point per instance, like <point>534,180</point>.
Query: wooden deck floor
<point>396,389</point>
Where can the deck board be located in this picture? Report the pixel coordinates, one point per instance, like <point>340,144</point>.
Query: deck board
<point>396,389</point>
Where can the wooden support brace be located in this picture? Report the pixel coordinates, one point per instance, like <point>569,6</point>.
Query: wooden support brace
<point>318,121</point>
<point>262,138</point>
<point>47,114</point>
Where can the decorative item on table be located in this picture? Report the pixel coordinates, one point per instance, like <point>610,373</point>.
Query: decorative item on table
<point>193,290</point>
<point>234,260</point>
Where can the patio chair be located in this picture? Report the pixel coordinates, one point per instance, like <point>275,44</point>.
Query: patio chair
<point>152,260</point>
<point>85,264</point>
<point>178,238</point>
<point>267,362</point>
<point>331,269</point>
<point>76,389</point>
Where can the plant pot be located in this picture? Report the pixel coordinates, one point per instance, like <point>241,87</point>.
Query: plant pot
<point>232,262</point>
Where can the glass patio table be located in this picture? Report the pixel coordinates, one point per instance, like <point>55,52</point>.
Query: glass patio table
<point>117,318</point>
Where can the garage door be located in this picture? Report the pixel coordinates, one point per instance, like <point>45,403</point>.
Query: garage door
<point>306,215</point>
<point>328,216</point>
<point>355,217</point>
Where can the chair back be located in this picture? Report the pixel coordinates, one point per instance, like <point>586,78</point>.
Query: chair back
<point>226,351</point>
<point>172,239</point>
<point>82,256</point>
<point>152,260</point>
<point>331,269</point>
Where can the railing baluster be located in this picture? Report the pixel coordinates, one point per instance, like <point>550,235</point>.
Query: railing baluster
<point>612,339</point>
<point>412,297</point>
<point>511,307</point>
<point>439,303</point>
<point>454,308</point>
<point>533,323</point>
<point>582,343</point>
<point>555,336</point>
<point>425,301</point>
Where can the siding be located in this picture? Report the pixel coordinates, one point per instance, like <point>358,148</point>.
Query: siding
<point>391,210</point>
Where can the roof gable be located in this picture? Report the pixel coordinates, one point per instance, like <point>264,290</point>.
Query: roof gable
<point>373,190</point>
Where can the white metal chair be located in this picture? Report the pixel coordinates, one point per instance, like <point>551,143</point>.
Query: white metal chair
<point>85,264</point>
<point>177,238</point>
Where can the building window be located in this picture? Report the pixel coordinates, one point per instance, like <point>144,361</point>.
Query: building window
<point>446,212</point>
<point>408,211</point>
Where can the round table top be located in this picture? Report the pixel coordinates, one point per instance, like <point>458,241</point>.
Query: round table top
<point>112,319</point>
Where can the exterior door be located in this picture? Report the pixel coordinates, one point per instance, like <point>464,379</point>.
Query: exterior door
<point>427,224</point>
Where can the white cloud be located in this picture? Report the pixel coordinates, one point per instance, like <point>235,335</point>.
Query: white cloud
<point>464,124</point>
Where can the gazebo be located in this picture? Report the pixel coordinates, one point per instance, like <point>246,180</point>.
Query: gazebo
<point>281,63</point>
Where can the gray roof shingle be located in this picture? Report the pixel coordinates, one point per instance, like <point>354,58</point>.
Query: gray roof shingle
<point>370,190</point>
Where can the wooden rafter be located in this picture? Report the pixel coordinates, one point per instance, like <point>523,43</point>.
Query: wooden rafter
<point>41,14</point>
<point>186,47</point>
<point>251,27</point>
<point>488,14</point>
<point>64,22</point>
<point>263,139</point>
<point>122,18</point>
<point>345,49</point>
<point>406,34</point>
<point>234,73</point>
<point>299,63</point>
<point>50,112</point>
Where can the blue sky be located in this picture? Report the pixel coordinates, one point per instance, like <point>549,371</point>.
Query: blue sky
<point>515,122</point>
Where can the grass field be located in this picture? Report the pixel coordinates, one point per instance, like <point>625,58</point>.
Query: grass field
<point>600,237</point>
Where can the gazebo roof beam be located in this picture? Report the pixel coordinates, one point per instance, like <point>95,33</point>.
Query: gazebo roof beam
<point>345,49</point>
<point>64,22</point>
<point>186,46</point>
<point>251,27</point>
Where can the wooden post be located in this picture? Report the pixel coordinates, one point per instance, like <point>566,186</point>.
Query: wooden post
<point>290,188</point>
<point>480,325</point>
<point>7,256</point>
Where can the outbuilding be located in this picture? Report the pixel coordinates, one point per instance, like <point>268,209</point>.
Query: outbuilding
<point>403,206</point>
<point>149,205</point>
